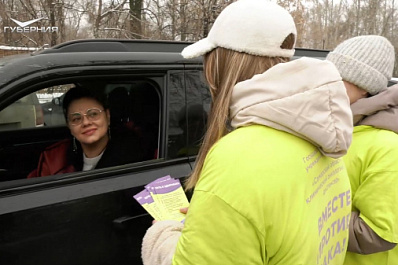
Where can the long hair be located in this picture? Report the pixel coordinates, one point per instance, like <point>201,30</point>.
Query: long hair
<point>223,69</point>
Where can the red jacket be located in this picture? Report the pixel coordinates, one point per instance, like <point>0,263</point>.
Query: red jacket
<point>53,160</point>
<point>59,158</point>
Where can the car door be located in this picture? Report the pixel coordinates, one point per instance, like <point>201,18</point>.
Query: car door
<point>83,217</point>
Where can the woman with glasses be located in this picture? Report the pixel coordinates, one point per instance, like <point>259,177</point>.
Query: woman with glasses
<point>88,119</point>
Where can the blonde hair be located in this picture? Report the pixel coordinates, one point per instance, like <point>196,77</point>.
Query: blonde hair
<point>223,69</point>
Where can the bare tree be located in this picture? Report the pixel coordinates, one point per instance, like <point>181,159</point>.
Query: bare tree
<point>321,24</point>
<point>51,8</point>
<point>135,18</point>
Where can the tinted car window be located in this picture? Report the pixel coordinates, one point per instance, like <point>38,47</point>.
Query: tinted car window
<point>196,111</point>
<point>177,102</point>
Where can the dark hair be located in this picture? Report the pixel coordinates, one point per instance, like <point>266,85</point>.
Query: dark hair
<point>79,92</point>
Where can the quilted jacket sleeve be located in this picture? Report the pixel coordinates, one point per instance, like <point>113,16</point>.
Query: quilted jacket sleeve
<point>160,241</point>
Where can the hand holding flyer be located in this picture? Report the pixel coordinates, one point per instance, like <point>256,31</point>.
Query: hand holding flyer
<point>163,198</point>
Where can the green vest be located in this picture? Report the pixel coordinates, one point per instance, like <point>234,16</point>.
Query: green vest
<point>267,197</point>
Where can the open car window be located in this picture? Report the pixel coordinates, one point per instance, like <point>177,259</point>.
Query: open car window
<point>24,113</point>
<point>36,121</point>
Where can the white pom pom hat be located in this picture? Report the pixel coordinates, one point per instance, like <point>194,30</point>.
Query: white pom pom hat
<point>256,27</point>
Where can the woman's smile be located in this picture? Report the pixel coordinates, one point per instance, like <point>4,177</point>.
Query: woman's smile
<point>89,132</point>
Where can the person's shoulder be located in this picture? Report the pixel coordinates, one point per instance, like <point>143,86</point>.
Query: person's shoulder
<point>252,141</point>
<point>388,137</point>
<point>258,135</point>
<point>377,133</point>
<point>242,135</point>
<point>375,139</point>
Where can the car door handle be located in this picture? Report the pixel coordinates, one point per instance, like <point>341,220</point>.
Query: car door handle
<point>124,222</point>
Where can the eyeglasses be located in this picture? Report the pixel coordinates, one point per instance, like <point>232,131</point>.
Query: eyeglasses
<point>77,117</point>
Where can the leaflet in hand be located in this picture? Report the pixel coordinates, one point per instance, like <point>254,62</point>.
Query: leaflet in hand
<point>163,198</point>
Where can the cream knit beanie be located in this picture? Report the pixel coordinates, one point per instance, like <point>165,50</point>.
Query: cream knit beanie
<point>256,27</point>
<point>365,61</point>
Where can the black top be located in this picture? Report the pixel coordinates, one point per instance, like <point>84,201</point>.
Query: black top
<point>119,151</point>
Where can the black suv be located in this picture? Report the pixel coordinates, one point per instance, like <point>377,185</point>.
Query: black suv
<point>91,217</point>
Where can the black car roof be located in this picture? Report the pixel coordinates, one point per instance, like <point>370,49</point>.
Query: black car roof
<point>117,45</point>
<point>164,46</point>
<point>103,52</point>
<point>95,53</point>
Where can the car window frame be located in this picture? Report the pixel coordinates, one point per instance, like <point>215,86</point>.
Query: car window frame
<point>65,75</point>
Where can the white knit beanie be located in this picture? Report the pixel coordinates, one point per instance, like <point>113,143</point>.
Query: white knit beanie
<point>256,27</point>
<point>365,61</point>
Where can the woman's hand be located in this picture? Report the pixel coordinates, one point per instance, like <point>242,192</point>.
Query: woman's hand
<point>184,210</point>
